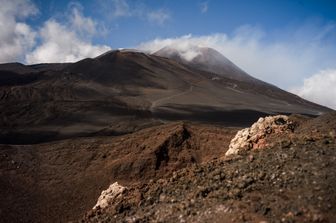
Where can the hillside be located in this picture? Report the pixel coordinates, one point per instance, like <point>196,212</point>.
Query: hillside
<point>292,179</point>
<point>124,91</point>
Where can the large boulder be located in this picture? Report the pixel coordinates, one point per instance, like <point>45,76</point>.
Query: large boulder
<point>255,136</point>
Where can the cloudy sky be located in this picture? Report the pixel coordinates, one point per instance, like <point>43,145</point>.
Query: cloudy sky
<point>291,44</point>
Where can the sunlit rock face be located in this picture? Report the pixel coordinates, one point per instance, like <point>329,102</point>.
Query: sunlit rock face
<point>107,196</point>
<point>254,137</point>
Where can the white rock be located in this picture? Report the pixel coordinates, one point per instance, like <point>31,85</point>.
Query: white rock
<point>114,191</point>
<point>253,137</point>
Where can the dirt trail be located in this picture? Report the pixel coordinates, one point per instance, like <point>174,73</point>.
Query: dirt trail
<point>154,103</point>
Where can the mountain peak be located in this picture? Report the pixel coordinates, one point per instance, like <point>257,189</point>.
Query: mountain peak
<point>206,59</point>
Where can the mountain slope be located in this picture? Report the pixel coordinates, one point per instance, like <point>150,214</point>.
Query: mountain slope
<point>123,91</point>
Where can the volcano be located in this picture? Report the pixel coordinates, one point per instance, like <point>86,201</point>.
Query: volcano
<point>70,130</point>
<point>124,91</point>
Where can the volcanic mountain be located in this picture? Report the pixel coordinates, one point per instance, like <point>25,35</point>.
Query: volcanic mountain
<point>187,112</point>
<point>123,91</point>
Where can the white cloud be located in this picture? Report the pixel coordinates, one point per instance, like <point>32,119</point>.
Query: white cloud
<point>60,44</point>
<point>16,37</point>
<point>66,42</point>
<point>83,25</point>
<point>120,8</point>
<point>284,61</point>
<point>114,9</point>
<point>59,41</point>
<point>319,88</point>
<point>159,16</point>
<point>204,7</point>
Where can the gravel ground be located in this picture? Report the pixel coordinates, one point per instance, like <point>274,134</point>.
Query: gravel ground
<point>293,180</point>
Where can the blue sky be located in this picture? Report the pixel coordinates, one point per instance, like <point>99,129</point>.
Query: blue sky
<point>184,17</point>
<point>291,44</point>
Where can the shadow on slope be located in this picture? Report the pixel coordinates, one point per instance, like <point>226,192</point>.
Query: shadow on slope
<point>208,114</point>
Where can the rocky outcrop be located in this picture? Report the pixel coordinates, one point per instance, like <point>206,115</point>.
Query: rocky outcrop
<point>172,146</point>
<point>283,183</point>
<point>255,136</point>
<point>107,196</point>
